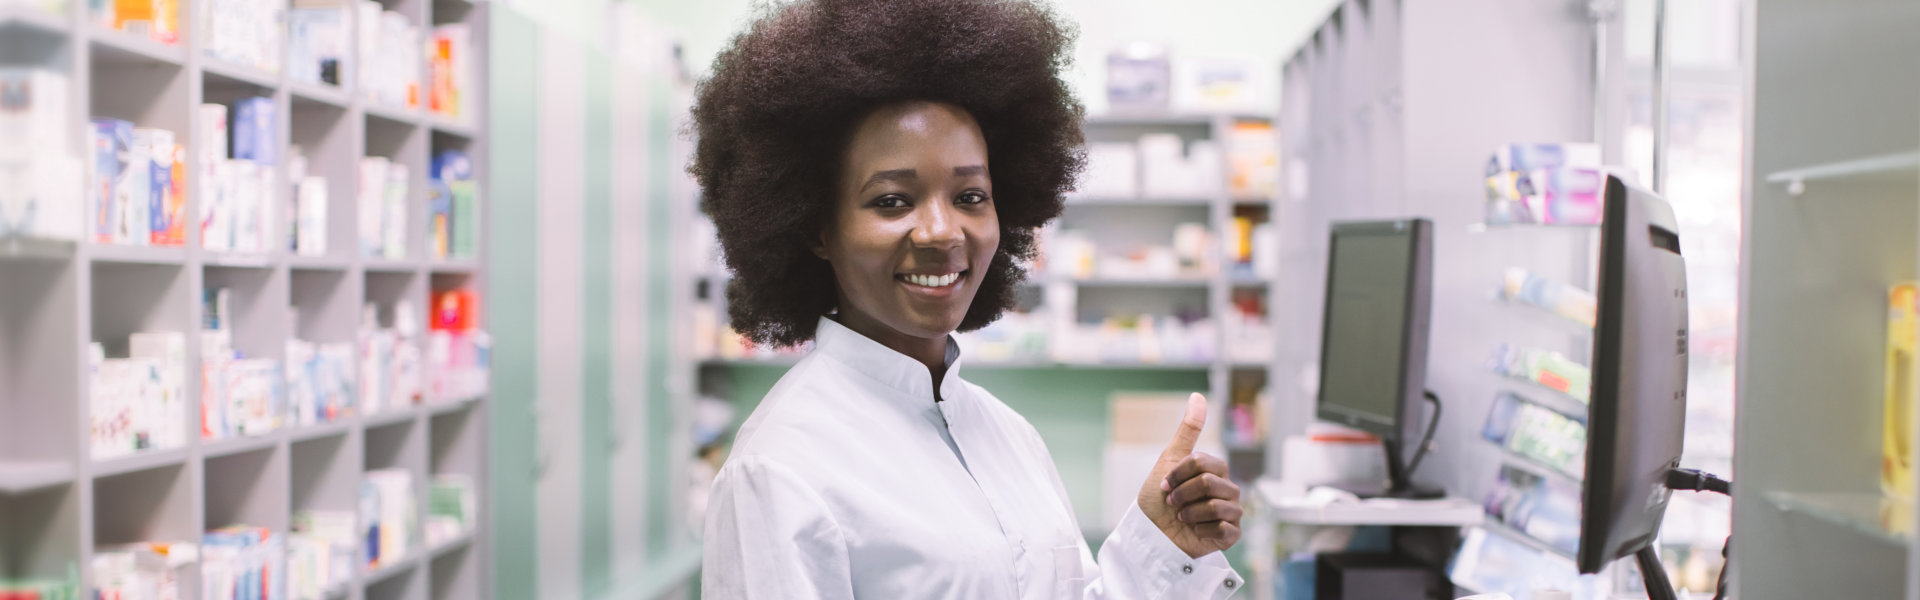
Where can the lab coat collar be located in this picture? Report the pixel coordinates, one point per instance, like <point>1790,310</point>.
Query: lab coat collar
<point>884,365</point>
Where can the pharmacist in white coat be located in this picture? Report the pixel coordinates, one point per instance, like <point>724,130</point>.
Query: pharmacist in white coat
<point>876,170</point>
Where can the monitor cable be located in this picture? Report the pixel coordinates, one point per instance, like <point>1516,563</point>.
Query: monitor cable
<point>1694,480</point>
<point>1426,441</point>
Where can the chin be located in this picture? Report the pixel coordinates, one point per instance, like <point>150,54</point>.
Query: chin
<point>928,327</point>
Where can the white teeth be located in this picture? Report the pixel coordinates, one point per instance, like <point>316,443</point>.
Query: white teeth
<point>933,280</point>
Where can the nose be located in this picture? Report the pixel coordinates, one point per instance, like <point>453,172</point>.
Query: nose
<point>938,227</point>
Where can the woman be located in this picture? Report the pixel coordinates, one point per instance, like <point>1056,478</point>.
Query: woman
<point>876,170</point>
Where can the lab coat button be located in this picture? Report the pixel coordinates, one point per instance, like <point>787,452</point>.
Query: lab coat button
<point>1188,569</point>
<point>1230,584</point>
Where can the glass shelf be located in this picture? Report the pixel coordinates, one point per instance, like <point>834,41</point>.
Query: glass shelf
<point>1897,168</point>
<point>1877,515</point>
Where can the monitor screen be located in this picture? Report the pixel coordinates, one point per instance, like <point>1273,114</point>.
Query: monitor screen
<point>1368,335</point>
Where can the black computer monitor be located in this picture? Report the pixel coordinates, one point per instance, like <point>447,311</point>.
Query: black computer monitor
<point>1373,341</point>
<point>1637,416</point>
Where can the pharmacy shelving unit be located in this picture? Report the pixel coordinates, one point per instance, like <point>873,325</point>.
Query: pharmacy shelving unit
<point>1120,221</point>
<point>58,504</point>
<point>1832,213</point>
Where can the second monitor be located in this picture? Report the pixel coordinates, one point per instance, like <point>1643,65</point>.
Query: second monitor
<point>1373,339</point>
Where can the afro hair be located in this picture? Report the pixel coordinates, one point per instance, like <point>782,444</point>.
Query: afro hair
<point>774,118</point>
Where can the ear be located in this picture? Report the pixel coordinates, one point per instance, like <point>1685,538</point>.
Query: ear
<point>819,245</point>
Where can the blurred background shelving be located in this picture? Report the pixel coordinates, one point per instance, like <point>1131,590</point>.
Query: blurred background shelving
<point>72,506</point>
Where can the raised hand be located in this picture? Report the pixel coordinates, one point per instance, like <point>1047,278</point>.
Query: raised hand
<point>1188,494</point>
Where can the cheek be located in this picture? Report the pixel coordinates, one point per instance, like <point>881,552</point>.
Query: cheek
<point>986,236</point>
<point>863,250</point>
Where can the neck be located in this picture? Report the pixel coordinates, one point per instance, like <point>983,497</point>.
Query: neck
<point>931,352</point>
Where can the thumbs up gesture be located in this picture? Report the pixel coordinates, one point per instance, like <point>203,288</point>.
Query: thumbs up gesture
<point>1188,494</point>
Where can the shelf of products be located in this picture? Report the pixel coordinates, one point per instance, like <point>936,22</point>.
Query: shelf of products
<point>198,387</point>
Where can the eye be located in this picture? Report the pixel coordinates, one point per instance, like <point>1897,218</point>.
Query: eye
<point>971,197</point>
<point>889,201</point>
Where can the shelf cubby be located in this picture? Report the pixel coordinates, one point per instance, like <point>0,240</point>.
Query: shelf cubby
<point>326,305</point>
<point>39,336</point>
<point>134,298</point>
<point>456,439</point>
<point>325,473</point>
<point>386,290</point>
<point>453,572</point>
<point>139,87</point>
<point>40,533</point>
<point>257,301</point>
<point>148,505</point>
<point>230,83</point>
<point>398,581</point>
<point>249,488</point>
<point>325,136</point>
<point>110,46</point>
<point>1146,298</point>
<point>26,42</point>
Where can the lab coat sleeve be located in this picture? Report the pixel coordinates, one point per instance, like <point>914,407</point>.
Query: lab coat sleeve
<point>1138,562</point>
<point>769,535</point>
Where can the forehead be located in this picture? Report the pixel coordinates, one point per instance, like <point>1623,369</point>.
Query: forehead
<point>914,134</point>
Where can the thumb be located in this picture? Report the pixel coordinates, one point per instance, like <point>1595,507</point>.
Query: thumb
<point>1188,432</point>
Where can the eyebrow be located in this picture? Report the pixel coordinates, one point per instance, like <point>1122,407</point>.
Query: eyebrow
<point>889,175</point>
<point>908,174</point>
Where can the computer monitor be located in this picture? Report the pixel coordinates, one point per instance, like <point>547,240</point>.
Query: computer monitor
<point>1637,416</point>
<point>1373,341</point>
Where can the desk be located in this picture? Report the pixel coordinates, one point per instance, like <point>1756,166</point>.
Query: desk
<point>1275,502</point>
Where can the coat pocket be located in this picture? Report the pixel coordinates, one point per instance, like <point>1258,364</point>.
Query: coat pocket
<point>1069,573</point>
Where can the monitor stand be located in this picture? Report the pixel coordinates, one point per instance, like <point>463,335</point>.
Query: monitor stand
<point>1399,483</point>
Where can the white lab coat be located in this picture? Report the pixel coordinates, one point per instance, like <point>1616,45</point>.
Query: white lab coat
<point>850,481</point>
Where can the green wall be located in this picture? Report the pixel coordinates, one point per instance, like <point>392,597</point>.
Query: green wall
<point>596,492</point>
<point>661,417</point>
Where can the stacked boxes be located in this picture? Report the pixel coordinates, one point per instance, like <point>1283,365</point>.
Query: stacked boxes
<point>389,362</point>
<point>235,203</point>
<point>147,570</point>
<point>387,513</point>
<point>449,68</point>
<point>319,552</point>
<point>382,200</point>
<point>458,352</point>
<point>390,58</point>
<point>158,20</point>
<point>317,43</point>
<point>450,507</point>
<point>244,32</point>
<point>319,382</point>
<point>138,186</point>
<point>138,403</point>
<point>307,209</point>
<point>453,217</point>
<point>238,396</point>
<point>243,563</point>
<point>39,195</point>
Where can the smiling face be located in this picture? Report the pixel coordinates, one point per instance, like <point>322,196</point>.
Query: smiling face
<point>914,226</point>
